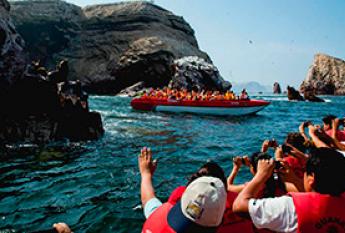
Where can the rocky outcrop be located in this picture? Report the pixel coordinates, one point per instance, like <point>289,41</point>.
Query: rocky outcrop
<point>276,88</point>
<point>37,106</point>
<point>195,73</point>
<point>326,76</point>
<point>12,59</point>
<point>109,47</point>
<point>40,109</point>
<point>311,97</point>
<point>293,94</point>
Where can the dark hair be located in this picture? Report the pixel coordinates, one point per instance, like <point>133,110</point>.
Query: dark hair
<point>273,182</point>
<point>209,169</point>
<point>328,119</point>
<point>327,165</point>
<point>296,140</point>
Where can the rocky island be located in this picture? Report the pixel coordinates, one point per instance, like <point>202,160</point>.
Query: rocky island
<point>326,76</point>
<point>111,47</point>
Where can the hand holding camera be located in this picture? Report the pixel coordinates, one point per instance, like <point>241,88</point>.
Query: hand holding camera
<point>306,124</point>
<point>273,143</point>
<point>286,149</point>
<point>241,160</point>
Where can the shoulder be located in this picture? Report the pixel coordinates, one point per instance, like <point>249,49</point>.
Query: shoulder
<point>277,214</point>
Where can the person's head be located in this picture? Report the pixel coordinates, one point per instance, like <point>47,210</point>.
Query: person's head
<point>272,185</point>
<point>255,158</point>
<point>201,207</point>
<point>297,141</point>
<point>327,122</point>
<point>209,169</point>
<point>325,172</point>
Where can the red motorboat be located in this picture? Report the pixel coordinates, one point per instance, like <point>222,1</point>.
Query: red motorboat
<point>207,107</point>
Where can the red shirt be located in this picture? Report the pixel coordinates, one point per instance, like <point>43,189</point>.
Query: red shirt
<point>340,134</point>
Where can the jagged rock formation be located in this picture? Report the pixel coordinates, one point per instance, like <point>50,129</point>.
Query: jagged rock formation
<point>293,94</point>
<point>109,47</point>
<point>310,96</point>
<point>40,109</point>
<point>37,106</point>
<point>326,76</point>
<point>194,72</point>
<point>12,59</point>
<point>276,88</point>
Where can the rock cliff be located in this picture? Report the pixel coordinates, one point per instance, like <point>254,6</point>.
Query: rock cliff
<point>276,88</point>
<point>109,47</point>
<point>37,106</point>
<point>12,59</point>
<point>326,76</point>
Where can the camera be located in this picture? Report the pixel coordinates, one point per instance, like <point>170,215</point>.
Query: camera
<point>272,143</point>
<point>286,149</point>
<point>277,165</point>
<point>342,121</point>
<point>307,123</point>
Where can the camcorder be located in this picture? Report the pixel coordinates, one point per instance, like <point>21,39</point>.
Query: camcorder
<point>272,143</point>
<point>286,149</point>
<point>277,165</point>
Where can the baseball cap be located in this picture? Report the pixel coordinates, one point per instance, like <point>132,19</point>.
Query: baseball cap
<point>201,207</point>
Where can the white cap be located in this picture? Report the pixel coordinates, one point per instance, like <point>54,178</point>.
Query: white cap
<point>204,201</point>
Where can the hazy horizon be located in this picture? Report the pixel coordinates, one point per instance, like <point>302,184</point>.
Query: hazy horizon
<point>252,41</point>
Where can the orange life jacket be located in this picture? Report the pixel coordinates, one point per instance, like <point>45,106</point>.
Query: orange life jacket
<point>319,213</point>
<point>158,220</point>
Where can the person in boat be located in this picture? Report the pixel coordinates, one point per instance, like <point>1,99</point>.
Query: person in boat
<point>274,186</point>
<point>319,209</point>
<point>200,209</point>
<point>293,152</point>
<point>328,122</point>
<point>319,138</point>
<point>229,95</point>
<point>195,95</point>
<point>244,95</point>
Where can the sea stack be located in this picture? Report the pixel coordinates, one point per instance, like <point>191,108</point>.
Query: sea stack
<point>293,94</point>
<point>326,76</point>
<point>276,88</point>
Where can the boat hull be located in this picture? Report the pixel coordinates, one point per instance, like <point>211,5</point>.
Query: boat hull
<point>217,111</point>
<point>218,108</point>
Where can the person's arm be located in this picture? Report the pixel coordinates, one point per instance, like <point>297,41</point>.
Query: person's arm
<point>265,146</point>
<point>335,126</point>
<point>264,171</point>
<point>302,131</point>
<point>293,183</point>
<point>316,140</point>
<point>147,168</point>
<point>297,153</point>
<point>278,154</point>
<point>237,163</point>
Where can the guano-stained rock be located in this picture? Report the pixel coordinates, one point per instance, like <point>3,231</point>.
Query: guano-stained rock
<point>109,47</point>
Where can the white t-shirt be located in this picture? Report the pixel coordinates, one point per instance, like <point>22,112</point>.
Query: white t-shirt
<point>277,214</point>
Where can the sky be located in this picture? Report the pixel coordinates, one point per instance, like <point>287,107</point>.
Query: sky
<point>262,40</point>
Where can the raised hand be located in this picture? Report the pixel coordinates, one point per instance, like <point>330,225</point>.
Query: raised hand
<point>265,168</point>
<point>62,228</point>
<point>145,162</point>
